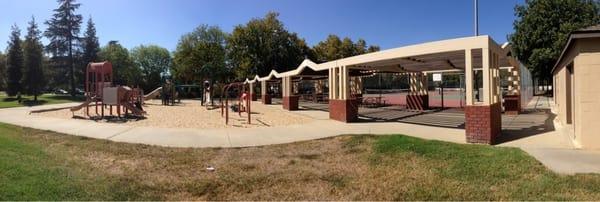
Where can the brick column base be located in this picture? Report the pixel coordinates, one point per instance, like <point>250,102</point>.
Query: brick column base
<point>343,110</point>
<point>253,96</point>
<point>417,102</point>
<point>266,99</point>
<point>291,102</point>
<point>483,124</point>
<point>512,104</point>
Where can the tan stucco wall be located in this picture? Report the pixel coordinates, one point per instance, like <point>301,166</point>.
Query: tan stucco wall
<point>585,57</point>
<point>561,99</point>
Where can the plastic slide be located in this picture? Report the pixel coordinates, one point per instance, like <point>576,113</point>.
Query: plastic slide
<point>153,94</point>
<point>133,109</point>
<point>82,105</point>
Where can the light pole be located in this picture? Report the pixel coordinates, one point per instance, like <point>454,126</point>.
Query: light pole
<point>476,17</point>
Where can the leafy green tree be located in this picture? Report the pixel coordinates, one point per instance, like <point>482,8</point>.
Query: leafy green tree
<point>152,61</point>
<point>334,48</point>
<point>264,44</point>
<point>14,63</point>
<point>63,31</point>
<point>2,71</point>
<point>328,50</point>
<point>542,28</point>
<point>373,48</point>
<point>124,72</point>
<point>33,77</point>
<point>201,55</point>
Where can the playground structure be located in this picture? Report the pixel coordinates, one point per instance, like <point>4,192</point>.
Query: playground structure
<point>244,97</point>
<point>207,94</point>
<point>168,93</point>
<point>155,93</point>
<point>101,93</point>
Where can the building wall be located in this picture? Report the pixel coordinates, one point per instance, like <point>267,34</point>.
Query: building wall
<point>560,99</point>
<point>584,55</point>
<point>587,93</point>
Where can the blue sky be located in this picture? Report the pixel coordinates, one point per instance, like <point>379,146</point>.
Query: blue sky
<point>387,23</point>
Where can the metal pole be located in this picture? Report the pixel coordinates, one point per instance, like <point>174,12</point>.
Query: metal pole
<point>248,103</point>
<point>476,17</point>
<point>442,87</point>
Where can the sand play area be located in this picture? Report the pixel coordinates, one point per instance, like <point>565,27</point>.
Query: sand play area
<point>190,114</point>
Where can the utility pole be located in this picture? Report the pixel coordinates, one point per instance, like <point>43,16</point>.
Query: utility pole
<point>476,17</point>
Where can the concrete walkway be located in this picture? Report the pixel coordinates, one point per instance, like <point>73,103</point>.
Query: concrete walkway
<point>549,146</point>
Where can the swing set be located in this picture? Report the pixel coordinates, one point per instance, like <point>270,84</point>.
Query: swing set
<point>243,96</point>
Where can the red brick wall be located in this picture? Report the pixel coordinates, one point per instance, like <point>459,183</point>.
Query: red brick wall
<point>417,102</point>
<point>343,110</point>
<point>291,102</point>
<point>266,98</point>
<point>483,124</point>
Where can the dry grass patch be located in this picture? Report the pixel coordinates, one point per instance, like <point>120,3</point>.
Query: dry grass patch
<point>340,168</point>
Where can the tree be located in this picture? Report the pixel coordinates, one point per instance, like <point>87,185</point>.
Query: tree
<point>264,44</point>
<point>123,71</point>
<point>152,61</point>
<point>63,31</point>
<point>328,50</point>
<point>542,28</point>
<point>90,48</point>
<point>201,55</point>
<point>90,44</point>
<point>14,63</point>
<point>2,71</point>
<point>333,48</point>
<point>33,77</point>
<point>373,48</point>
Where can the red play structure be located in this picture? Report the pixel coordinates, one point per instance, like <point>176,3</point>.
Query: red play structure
<point>100,92</point>
<point>243,96</point>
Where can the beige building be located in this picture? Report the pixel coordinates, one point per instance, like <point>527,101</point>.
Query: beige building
<point>576,78</point>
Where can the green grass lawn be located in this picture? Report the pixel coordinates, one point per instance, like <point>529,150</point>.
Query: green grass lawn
<point>42,165</point>
<point>6,102</point>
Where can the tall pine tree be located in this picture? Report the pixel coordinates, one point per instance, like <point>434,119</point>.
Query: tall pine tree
<point>90,44</point>
<point>89,51</point>
<point>63,30</point>
<point>2,71</point>
<point>33,77</point>
<point>14,63</point>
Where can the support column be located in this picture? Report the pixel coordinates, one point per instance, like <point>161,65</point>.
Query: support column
<point>290,101</point>
<point>341,106</point>
<point>512,100</point>
<point>356,87</point>
<point>264,96</point>
<point>318,91</point>
<point>252,94</point>
<point>417,98</point>
<point>483,120</point>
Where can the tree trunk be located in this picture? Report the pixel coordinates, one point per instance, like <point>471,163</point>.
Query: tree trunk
<point>71,65</point>
<point>71,68</point>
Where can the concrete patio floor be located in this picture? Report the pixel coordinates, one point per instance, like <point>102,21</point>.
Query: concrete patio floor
<point>535,131</point>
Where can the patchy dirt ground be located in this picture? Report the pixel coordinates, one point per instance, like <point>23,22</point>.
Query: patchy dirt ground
<point>190,114</point>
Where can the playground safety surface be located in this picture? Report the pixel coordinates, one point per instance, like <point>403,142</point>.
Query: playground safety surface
<point>190,114</point>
